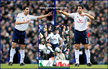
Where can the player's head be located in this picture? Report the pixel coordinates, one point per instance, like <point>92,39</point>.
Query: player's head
<point>55,31</point>
<point>26,10</point>
<point>79,9</point>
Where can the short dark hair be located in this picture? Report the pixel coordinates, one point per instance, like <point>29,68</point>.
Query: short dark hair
<point>79,6</point>
<point>55,30</point>
<point>25,7</point>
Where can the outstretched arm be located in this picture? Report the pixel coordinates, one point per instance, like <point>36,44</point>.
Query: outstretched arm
<point>65,13</point>
<point>18,22</point>
<point>85,14</point>
<point>43,16</point>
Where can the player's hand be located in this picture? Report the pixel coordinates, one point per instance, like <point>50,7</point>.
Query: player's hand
<point>27,21</point>
<point>50,13</point>
<point>59,11</point>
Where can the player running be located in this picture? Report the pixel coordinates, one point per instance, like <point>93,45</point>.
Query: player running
<point>22,22</point>
<point>80,34</point>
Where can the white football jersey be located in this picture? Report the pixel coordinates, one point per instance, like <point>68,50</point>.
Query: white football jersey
<point>80,21</point>
<point>21,18</point>
<point>54,39</point>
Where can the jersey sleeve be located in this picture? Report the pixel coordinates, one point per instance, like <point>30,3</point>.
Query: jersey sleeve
<point>87,18</point>
<point>71,15</point>
<point>18,17</point>
<point>33,17</point>
<point>59,37</point>
<point>48,36</point>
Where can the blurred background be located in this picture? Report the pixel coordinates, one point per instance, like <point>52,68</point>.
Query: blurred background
<point>45,30</point>
<point>9,11</point>
<point>97,29</point>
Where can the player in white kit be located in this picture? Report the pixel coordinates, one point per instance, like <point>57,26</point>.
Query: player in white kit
<point>22,22</point>
<point>80,34</point>
<point>54,39</point>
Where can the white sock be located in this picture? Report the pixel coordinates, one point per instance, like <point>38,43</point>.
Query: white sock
<point>22,55</point>
<point>77,56</point>
<point>54,59</point>
<point>87,52</point>
<point>12,53</point>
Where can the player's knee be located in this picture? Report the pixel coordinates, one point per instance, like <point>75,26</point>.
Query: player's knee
<point>77,46</point>
<point>13,45</point>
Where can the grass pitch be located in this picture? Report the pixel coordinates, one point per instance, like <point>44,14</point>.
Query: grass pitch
<point>86,67</point>
<point>35,66</point>
<point>14,66</point>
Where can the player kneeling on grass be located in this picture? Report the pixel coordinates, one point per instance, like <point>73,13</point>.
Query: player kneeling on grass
<point>80,34</point>
<point>22,22</point>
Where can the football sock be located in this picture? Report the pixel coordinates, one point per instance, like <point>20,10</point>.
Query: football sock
<point>87,52</point>
<point>12,53</point>
<point>22,55</point>
<point>77,56</point>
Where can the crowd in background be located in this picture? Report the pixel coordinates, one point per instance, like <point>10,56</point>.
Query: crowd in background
<point>97,29</point>
<point>9,11</point>
<point>62,30</point>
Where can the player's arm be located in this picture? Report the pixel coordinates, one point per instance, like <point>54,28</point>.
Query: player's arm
<point>18,22</point>
<point>65,13</point>
<point>85,14</point>
<point>91,17</point>
<point>43,16</point>
<point>61,41</point>
<point>48,37</point>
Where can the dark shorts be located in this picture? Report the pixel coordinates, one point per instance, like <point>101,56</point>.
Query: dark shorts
<point>80,37</point>
<point>54,46</point>
<point>18,36</point>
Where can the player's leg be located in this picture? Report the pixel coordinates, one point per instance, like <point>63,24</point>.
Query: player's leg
<point>54,53</point>
<point>77,46</point>
<point>87,52</point>
<point>22,54</point>
<point>22,48</point>
<point>85,42</point>
<point>12,53</point>
<point>14,43</point>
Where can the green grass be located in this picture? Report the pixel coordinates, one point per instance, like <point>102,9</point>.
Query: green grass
<point>30,66</point>
<point>92,67</point>
<point>18,66</point>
